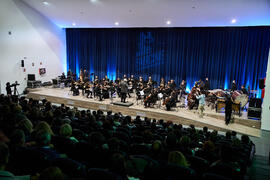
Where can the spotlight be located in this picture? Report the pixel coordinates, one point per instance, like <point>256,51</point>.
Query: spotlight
<point>45,3</point>
<point>116,23</point>
<point>74,24</point>
<point>168,22</point>
<point>233,21</point>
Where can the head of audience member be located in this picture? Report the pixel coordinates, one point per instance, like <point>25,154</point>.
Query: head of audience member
<point>42,125</point>
<point>114,144</point>
<point>209,146</point>
<point>26,125</point>
<point>185,141</point>
<point>245,139</point>
<point>4,155</point>
<point>51,173</point>
<point>177,158</point>
<point>96,139</point>
<point>43,138</point>
<point>156,146</point>
<point>228,135</point>
<point>65,130</point>
<point>171,140</point>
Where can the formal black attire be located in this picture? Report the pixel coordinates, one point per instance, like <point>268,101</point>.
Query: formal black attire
<point>228,110</point>
<point>244,91</point>
<point>8,89</point>
<point>124,91</point>
<point>207,85</point>
<point>234,87</point>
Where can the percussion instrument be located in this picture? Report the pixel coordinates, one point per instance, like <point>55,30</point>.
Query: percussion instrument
<point>240,98</point>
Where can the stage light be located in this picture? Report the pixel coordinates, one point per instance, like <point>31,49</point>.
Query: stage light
<point>45,3</point>
<point>233,21</point>
<point>168,22</point>
<point>116,23</point>
<point>74,24</point>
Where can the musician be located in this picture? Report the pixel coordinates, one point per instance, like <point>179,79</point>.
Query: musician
<point>74,89</point>
<point>8,88</point>
<point>182,88</point>
<point>228,109</point>
<point>98,92</point>
<point>172,84</point>
<point>124,90</point>
<point>151,98</point>
<point>88,90</point>
<point>244,90</point>
<point>85,76</point>
<point>162,82</point>
<point>150,82</point>
<point>62,77</point>
<point>206,84</point>
<point>234,86</point>
<point>147,90</point>
<point>171,100</point>
<point>200,95</point>
<point>81,75</point>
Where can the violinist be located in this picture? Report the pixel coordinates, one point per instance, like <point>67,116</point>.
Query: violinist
<point>147,90</point>
<point>74,89</point>
<point>88,90</point>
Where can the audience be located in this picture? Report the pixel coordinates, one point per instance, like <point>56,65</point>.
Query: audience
<point>75,140</point>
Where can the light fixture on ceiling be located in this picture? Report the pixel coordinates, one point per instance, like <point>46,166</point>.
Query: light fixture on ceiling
<point>93,1</point>
<point>45,3</point>
<point>73,24</point>
<point>168,22</point>
<point>233,21</point>
<point>116,23</point>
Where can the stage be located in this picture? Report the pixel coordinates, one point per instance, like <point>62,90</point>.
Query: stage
<point>212,119</point>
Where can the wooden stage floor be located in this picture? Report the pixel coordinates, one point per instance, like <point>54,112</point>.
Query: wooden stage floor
<point>212,120</point>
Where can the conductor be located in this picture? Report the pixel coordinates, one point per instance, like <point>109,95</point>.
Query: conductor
<point>124,90</point>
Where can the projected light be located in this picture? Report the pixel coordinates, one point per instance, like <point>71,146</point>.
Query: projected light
<point>233,21</point>
<point>116,23</point>
<point>168,22</point>
<point>73,24</point>
<point>45,3</point>
<point>93,1</point>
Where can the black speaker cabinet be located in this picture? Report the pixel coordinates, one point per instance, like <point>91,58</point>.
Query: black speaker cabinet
<point>254,112</point>
<point>22,63</point>
<point>255,102</point>
<point>261,83</point>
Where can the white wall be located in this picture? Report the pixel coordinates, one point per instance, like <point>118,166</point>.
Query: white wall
<point>33,39</point>
<point>266,102</point>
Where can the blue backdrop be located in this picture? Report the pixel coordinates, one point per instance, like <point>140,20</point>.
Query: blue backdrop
<point>220,53</point>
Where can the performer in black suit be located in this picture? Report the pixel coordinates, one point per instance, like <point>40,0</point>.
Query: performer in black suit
<point>182,88</point>
<point>171,100</point>
<point>124,90</point>
<point>206,84</point>
<point>8,88</point>
<point>234,86</point>
<point>228,109</point>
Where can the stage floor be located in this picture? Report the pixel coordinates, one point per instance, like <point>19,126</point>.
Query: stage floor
<point>212,120</point>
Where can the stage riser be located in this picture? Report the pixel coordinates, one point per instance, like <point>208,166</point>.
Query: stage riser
<point>246,122</point>
<point>128,111</point>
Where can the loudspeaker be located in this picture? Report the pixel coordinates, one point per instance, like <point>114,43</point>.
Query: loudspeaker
<point>261,83</point>
<point>22,63</point>
<point>255,103</point>
<point>254,112</point>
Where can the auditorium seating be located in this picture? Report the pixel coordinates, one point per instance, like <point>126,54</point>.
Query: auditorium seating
<point>115,147</point>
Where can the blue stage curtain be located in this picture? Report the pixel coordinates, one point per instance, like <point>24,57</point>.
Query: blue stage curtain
<point>219,53</point>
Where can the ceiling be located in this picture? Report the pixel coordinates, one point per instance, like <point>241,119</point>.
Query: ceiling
<point>153,13</point>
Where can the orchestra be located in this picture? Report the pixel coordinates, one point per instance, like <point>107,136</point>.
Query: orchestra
<point>149,91</point>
